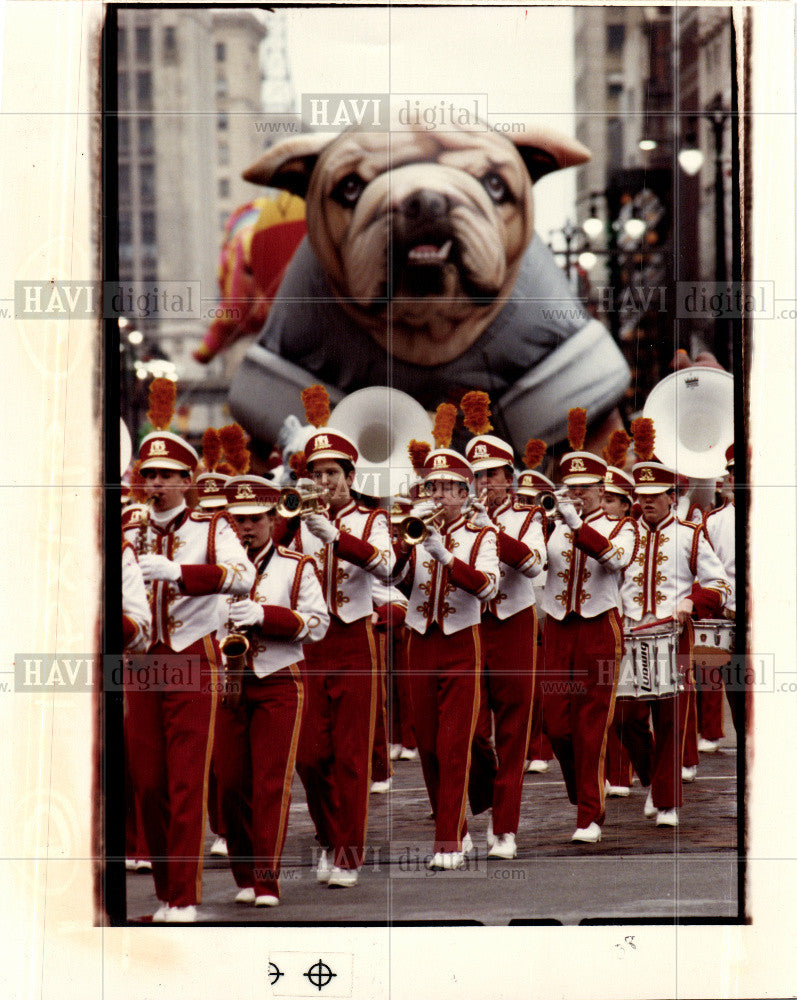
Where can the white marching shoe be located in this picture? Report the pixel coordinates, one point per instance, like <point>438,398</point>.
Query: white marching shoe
<point>667,817</point>
<point>380,787</point>
<point>650,810</point>
<point>159,916</point>
<point>407,754</point>
<point>707,746</point>
<point>395,751</point>
<point>219,848</point>
<point>617,791</point>
<point>537,766</point>
<point>490,832</point>
<point>467,844</point>
<point>181,915</point>
<point>342,878</point>
<point>267,900</point>
<point>504,847</point>
<point>587,835</point>
<point>246,895</point>
<point>689,774</point>
<point>324,869</point>
<point>446,861</point>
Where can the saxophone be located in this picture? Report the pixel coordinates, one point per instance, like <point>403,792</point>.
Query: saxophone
<point>235,649</point>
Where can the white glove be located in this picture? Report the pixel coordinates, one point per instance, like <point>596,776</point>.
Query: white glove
<point>478,515</point>
<point>245,613</point>
<point>423,508</point>
<point>322,528</point>
<point>158,568</point>
<point>569,514</point>
<point>435,546</point>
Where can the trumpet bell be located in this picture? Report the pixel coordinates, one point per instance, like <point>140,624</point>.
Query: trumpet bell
<point>692,411</point>
<point>381,421</point>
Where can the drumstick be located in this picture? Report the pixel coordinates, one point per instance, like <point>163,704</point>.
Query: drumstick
<point>653,624</point>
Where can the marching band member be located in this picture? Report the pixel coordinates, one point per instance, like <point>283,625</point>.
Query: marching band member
<point>582,640</point>
<point>189,559</point>
<point>350,546</point>
<point>451,572</point>
<point>381,771</point>
<point>720,527</point>
<point>257,739</point>
<point>530,483</point>
<point>509,622</point>
<point>403,744</point>
<point>661,583</point>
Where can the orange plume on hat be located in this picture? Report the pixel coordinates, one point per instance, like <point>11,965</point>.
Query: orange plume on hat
<point>616,450</point>
<point>211,449</point>
<point>162,395</point>
<point>576,427</point>
<point>225,469</point>
<point>444,420</point>
<point>233,441</point>
<point>315,400</point>
<point>535,452</point>
<point>644,438</point>
<point>418,451</point>
<point>298,462</point>
<point>476,408</point>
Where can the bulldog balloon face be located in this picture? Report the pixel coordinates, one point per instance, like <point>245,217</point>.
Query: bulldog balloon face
<point>420,229</point>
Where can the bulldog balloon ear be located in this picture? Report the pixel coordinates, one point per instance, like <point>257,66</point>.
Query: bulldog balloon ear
<point>289,164</point>
<point>543,151</point>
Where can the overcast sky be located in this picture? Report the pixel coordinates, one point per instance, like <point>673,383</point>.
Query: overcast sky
<point>522,59</point>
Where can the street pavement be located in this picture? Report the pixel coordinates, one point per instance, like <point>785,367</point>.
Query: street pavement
<point>637,871</point>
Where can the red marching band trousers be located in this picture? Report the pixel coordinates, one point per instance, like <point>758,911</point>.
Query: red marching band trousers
<point>336,741</point>
<point>507,691</point>
<point>657,758</point>
<point>445,673</point>
<point>170,741</point>
<point>254,757</point>
<point>580,661</point>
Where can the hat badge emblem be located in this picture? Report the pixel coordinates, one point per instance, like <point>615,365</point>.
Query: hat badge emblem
<point>440,462</point>
<point>245,492</point>
<point>577,465</point>
<point>646,476</point>
<point>157,447</point>
<point>321,441</point>
<point>480,451</point>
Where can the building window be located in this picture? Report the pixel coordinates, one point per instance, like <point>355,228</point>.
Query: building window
<point>613,90</point>
<point>123,126</point>
<point>144,90</point>
<point>170,43</point>
<point>146,178</point>
<point>143,45</point>
<point>614,143</point>
<point>124,182</point>
<point>121,43</point>
<point>615,37</point>
<point>123,93</point>
<point>224,154</point>
<point>146,137</point>
<point>148,229</point>
<point>221,51</point>
<point>224,187</point>
<point>125,228</point>
<point>222,121</point>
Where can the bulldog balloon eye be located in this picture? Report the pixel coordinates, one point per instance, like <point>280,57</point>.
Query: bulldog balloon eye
<point>348,191</point>
<point>495,186</point>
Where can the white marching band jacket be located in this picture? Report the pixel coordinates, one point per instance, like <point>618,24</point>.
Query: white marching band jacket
<point>585,566</point>
<point>720,525</point>
<point>294,609</point>
<point>671,556</point>
<point>213,561</point>
<point>135,607</point>
<point>436,596</point>
<point>517,568</point>
<point>347,586</point>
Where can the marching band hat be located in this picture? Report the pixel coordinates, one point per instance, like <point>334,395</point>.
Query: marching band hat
<point>530,483</point>
<point>617,481</point>
<point>653,477</point>
<point>250,495</point>
<point>488,452</point>
<point>581,468</point>
<point>164,450</point>
<point>210,489</point>
<point>327,443</point>
<point>729,463</point>
<point>443,463</point>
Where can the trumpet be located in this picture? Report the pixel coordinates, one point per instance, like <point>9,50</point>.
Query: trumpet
<point>549,501</point>
<point>301,502</point>
<point>413,529</point>
<point>235,647</point>
<point>480,497</point>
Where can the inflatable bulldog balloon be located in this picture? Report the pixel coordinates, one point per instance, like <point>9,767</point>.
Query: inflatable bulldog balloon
<point>421,270</point>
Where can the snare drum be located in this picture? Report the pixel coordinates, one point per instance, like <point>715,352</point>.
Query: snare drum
<point>649,668</point>
<point>713,643</point>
